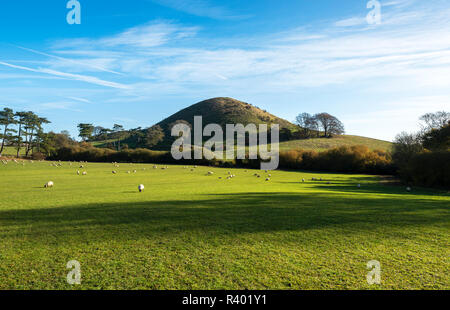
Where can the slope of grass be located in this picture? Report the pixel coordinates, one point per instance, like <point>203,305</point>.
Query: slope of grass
<point>322,144</point>
<point>12,151</point>
<point>192,231</point>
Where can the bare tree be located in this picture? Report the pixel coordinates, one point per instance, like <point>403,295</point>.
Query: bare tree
<point>307,123</point>
<point>435,120</point>
<point>330,124</point>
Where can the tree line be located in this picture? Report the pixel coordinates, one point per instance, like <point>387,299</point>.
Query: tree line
<point>21,129</point>
<point>89,132</point>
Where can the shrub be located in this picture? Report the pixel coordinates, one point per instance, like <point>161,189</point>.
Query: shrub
<point>430,169</point>
<point>354,159</point>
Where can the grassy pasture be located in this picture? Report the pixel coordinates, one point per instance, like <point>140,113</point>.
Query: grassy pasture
<point>11,151</point>
<point>323,144</point>
<point>192,231</point>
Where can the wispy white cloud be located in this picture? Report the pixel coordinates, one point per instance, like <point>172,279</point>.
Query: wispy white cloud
<point>152,34</point>
<point>201,8</point>
<point>79,99</point>
<point>78,77</point>
<point>57,105</point>
<point>71,61</point>
<point>404,46</point>
<point>352,21</point>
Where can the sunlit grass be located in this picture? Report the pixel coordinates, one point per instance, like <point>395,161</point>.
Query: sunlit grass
<point>193,231</point>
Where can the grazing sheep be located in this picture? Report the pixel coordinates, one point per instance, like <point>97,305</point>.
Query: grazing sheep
<point>267,179</point>
<point>303,180</point>
<point>48,184</point>
<point>81,167</point>
<point>155,167</point>
<point>78,172</point>
<point>210,173</point>
<point>141,188</point>
<point>114,172</point>
<point>359,185</point>
<point>134,171</point>
<point>269,175</point>
<point>84,173</point>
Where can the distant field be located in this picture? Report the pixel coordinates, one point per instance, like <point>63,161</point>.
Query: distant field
<point>321,144</point>
<point>193,231</point>
<point>12,151</point>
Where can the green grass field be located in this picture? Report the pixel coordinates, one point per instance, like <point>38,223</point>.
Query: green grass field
<point>11,151</point>
<point>322,144</point>
<point>192,231</point>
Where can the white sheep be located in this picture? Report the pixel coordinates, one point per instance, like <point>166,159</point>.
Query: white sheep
<point>408,189</point>
<point>210,173</point>
<point>141,188</point>
<point>84,173</point>
<point>48,184</point>
<point>267,179</point>
<point>78,172</point>
<point>303,180</point>
<point>359,185</point>
<point>114,172</point>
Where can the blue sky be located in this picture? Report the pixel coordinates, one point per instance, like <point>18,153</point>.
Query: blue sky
<point>137,62</point>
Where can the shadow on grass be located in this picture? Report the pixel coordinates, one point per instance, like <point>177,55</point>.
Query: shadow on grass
<point>344,187</point>
<point>222,214</point>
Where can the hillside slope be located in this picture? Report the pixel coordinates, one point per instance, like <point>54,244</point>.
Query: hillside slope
<point>221,111</point>
<point>323,144</point>
<point>224,111</point>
